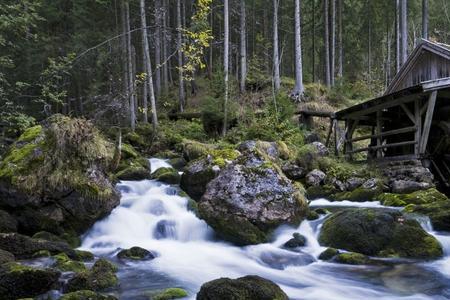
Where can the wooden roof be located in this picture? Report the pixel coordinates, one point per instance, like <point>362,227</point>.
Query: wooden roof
<point>439,49</point>
<point>393,99</point>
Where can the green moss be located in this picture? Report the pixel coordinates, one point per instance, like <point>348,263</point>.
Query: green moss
<point>17,161</point>
<point>312,215</point>
<point>171,293</point>
<point>30,134</point>
<point>221,156</point>
<point>389,199</point>
<point>65,264</point>
<point>128,151</point>
<point>99,277</point>
<point>86,295</point>
<point>41,253</point>
<point>84,255</point>
<point>193,150</point>
<point>167,175</point>
<point>359,194</point>
<point>352,258</point>
<point>320,191</point>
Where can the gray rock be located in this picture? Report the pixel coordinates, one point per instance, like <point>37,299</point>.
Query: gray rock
<point>6,257</point>
<point>408,186</point>
<point>197,175</point>
<point>315,177</point>
<point>247,200</point>
<point>371,184</point>
<point>293,171</point>
<point>322,150</point>
<point>353,183</point>
<point>7,222</point>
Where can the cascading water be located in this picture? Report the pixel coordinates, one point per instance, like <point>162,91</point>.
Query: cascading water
<point>152,215</point>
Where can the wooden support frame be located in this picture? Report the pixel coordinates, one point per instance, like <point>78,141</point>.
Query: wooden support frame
<point>427,122</point>
<point>379,136</point>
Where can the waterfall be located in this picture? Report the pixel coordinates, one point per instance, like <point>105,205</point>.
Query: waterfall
<point>154,216</point>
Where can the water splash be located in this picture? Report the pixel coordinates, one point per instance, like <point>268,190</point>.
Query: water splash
<point>153,216</point>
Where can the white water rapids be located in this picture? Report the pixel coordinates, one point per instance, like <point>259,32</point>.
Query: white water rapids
<point>152,215</point>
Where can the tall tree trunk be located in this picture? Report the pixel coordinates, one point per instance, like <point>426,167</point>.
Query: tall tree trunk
<point>397,35</point>
<point>425,19</point>
<point>298,89</point>
<point>211,47</point>
<point>158,14</point>
<point>340,44</point>
<point>148,65</point>
<point>313,54</point>
<point>130,69</point>
<point>181,94</point>
<point>123,42</point>
<point>404,31</point>
<point>165,70</point>
<point>369,40</point>
<point>333,41</point>
<point>326,43</point>
<point>276,56</point>
<point>243,47</point>
<point>226,45</point>
<point>388,59</point>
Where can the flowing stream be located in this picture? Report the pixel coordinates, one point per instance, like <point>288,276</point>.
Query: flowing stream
<point>152,215</point>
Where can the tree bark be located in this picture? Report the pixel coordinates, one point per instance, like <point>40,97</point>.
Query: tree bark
<point>397,35</point>
<point>243,47</point>
<point>326,43</point>
<point>148,65</point>
<point>158,13</point>
<point>313,54</point>
<point>181,94</point>
<point>404,31</point>
<point>298,89</point>
<point>165,71</point>
<point>340,44</point>
<point>131,88</point>
<point>276,56</point>
<point>333,41</point>
<point>226,45</point>
<point>124,41</point>
<point>425,19</point>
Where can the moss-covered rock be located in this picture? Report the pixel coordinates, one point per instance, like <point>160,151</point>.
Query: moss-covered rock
<point>178,163</point>
<point>438,212</point>
<point>18,281</point>
<point>86,295</point>
<point>197,175</point>
<point>419,197</point>
<point>369,191</point>
<point>135,253</point>
<point>102,275</point>
<point>65,264</point>
<point>170,293</point>
<point>41,253</point>
<point>312,215</point>
<point>244,288</point>
<point>250,198</point>
<point>320,191</point>
<point>167,175</point>
<point>137,168</point>
<point>44,235</point>
<point>82,255</point>
<point>328,254</point>
<point>193,150</point>
<point>72,159</point>
<point>25,247</point>
<point>378,232</point>
<point>351,258</point>
<point>6,257</point>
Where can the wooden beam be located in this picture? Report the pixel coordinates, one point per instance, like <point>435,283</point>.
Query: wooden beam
<point>330,131</point>
<point>384,134</point>
<point>427,122</point>
<point>418,123</point>
<point>336,138</point>
<point>435,84</point>
<point>408,112</point>
<point>378,132</point>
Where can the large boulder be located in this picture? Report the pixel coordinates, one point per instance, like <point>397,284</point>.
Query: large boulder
<point>250,198</point>
<point>407,176</point>
<point>244,288</point>
<point>6,257</point>
<point>55,177</point>
<point>378,232</point>
<point>18,281</point>
<point>167,175</point>
<point>418,197</point>
<point>24,247</point>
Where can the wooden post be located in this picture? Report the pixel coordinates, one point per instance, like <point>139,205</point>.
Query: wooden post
<point>427,122</point>
<point>379,137</point>
<point>336,137</point>
<point>418,124</point>
<point>330,131</point>
<point>350,128</point>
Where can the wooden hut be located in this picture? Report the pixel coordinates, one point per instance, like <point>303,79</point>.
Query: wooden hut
<point>411,120</point>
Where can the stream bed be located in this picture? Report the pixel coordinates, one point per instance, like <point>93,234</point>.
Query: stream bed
<point>152,215</point>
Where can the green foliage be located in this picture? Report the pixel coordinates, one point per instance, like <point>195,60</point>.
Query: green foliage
<point>170,293</point>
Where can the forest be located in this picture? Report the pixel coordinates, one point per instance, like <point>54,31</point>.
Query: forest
<point>191,149</point>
